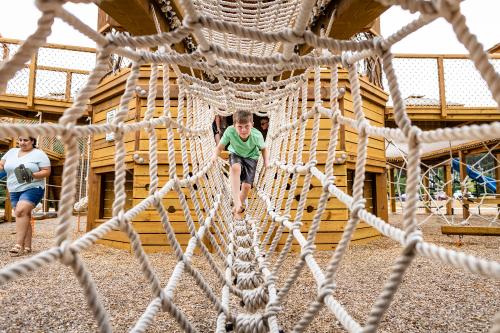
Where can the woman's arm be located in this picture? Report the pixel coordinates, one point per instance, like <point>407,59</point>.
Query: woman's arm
<point>2,163</point>
<point>43,173</point>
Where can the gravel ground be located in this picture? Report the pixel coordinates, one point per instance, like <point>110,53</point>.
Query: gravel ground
<point>432,297</point>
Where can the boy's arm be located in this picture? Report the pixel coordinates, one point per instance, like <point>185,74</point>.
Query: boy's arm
<point>218,150</point>
<point>265,155</point>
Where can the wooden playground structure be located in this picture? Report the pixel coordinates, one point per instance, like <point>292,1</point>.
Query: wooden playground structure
<point>40,93</point>
<point>29,96</point>
<point>374,158</point>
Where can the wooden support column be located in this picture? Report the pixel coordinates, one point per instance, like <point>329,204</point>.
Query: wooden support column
<point>381,196</point>
<point>426,197</point>
<point>94,197</point>
<point>32,80</point>
<point>442,91</point>
<point>497,175</point>
<point>8,208</point>
<point>448,189</point>
<point>8,204</point>
<point>463,187</point>
<point>392,190</point>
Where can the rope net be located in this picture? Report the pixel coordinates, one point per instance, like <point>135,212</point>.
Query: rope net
<point>244,249</point>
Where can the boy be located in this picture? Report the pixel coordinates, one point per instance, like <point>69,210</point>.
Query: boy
<point>245,146</point>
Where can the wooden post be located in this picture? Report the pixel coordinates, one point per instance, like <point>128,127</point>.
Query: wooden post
<point>94,199</point>
<point>426,197</point>
<point>8,208</point>
<point>442,91</point>
<point>8,203</point>
<point>380,199</point>
<point>497,176</point>
<point>67,93</point>
<point>463,187</point>
<point>32,80</point>
<point>392,190</point>
<point>448,188</point>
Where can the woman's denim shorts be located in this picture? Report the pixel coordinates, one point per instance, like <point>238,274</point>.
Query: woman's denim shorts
<point>33,195</point>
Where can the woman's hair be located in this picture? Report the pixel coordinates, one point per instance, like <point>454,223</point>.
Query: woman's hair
<point>33,140</point>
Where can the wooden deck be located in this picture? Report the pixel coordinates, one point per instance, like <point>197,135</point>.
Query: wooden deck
<point>47,85</point>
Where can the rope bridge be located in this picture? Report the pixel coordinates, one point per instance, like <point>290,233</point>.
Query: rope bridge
<point>244,249</point>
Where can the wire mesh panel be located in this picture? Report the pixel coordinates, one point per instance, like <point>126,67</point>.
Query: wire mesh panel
<point>419,81</point>
<point>50,84</point>
<point>77,82</point>
<point>62,58</point>
<point>19,83</point>
<point>463,83</point>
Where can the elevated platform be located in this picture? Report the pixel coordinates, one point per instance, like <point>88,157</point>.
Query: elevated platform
<point>48,83</point>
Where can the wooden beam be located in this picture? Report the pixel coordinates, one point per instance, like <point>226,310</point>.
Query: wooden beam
<point>8,203</point>
<point>448,180</point>
<point>497,174</point>
<point>94,198</point>
<point>470,230</point>
<point>427,198</point>
<point>392,190</point>
<point>442,92</point>
<point>381,196</point>
<point>463,173</point>
<point>32,80</point>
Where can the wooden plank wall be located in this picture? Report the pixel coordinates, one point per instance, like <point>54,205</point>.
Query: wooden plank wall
<point>148,225</point>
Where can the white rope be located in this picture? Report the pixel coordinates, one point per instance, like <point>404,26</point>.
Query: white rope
<point>242,39</point>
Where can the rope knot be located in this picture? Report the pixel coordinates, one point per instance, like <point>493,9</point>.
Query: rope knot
<point>272,309</point>
<point>325,290</point>
<point>157,197</point>
<point>414,135</point>
<point>297,37</point>
<point>122,219</point>
<point>446,8</point>
<point>413,238</point>
<point>330,180</point>
<point>357,206</point>
<point>49,5</point>
<point>362,125</point>
<point>311,164</point>
<point>307,250</point>
<point>344,60</point>
<point>295,226</point>
<point>191,23</point>
<point>68,253</point>
<point>380,45</point>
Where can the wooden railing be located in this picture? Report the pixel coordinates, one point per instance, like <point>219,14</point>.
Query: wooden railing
<point>63,76</point>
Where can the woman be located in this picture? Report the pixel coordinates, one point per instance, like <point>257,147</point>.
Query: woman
<point>26,167</point>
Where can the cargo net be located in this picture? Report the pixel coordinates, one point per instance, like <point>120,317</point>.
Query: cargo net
<point>244,249</point>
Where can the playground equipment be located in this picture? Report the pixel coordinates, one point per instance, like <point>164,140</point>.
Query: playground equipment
<point>246,248</point>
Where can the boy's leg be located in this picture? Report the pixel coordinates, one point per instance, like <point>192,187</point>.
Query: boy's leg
<point>245,189</point>
<point>248,174</point>
<point>234,175</point>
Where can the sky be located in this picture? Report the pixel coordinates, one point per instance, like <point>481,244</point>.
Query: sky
<point>438,37</point>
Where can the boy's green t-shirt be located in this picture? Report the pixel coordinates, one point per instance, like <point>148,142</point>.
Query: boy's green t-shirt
<point>248,149</point>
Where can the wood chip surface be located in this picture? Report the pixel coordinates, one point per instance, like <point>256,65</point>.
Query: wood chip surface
<point>432,297</point>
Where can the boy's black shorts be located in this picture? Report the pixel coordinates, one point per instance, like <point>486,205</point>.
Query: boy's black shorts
<point>248,167</point>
